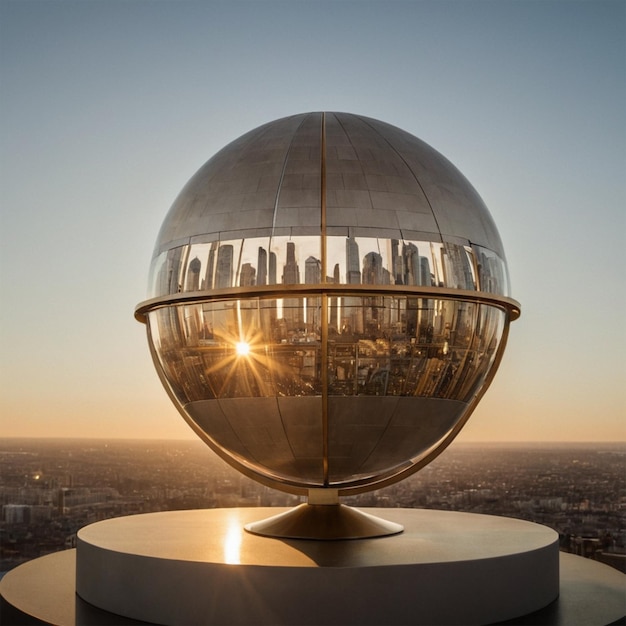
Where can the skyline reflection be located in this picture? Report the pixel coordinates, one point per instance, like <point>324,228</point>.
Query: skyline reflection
<point>297,260</point>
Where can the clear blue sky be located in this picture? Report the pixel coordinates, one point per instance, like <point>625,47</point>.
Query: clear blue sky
<point>108,107</point>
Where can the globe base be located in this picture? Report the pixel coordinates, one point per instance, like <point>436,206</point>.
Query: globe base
<point>324,522</point>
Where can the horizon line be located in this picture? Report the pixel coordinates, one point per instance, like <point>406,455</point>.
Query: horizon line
<point>197,440</point>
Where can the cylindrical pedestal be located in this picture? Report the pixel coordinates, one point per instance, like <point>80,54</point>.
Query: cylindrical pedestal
<point>201,567</point>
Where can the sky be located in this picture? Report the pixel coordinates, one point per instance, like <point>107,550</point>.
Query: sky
<point>108,107</point>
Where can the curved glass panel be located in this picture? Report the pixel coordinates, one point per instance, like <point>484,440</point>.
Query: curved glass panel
<point>377,261</point>
<point>350,261</point>
<point>399,371</point>
<point>493,273</point>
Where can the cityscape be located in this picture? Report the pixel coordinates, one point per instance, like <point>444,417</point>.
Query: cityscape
<point>256,261</point>
<point>50,488</point>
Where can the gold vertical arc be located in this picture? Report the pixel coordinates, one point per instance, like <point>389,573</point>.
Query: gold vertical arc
<point>323,198</point>
<point>324,305</point>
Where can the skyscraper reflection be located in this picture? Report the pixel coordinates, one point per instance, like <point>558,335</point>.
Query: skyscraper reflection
<point>386,262</point>
<point>224,272</point>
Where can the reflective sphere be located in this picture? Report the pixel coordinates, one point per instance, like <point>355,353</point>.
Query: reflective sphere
<point>328,301</point>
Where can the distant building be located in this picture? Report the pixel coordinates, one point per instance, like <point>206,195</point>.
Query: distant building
<point>262,266</point>
<point>247,276</point>
<point>16,513</point>
<point>411,265</point>
<point>312,276</point>
<point>272,269</point>
<point>353,271</point>
<point>208,277</point>
<point>352,318</point>
<point>312,271</point>
<point>397,264</point>
<point>426,277</point>
<point>456,267</point>
<point>193,275</point>
<point>333,301</point>
<point>291,272</point>
<point>224,273</point>
<point>372,269</point>
<point>293,311</point>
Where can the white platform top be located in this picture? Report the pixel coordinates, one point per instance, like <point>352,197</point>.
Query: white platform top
<point>218,536</point>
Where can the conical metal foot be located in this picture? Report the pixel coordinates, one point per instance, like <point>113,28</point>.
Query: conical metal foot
<point>324,522</point>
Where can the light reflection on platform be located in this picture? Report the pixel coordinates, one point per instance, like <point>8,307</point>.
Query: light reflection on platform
<point>232,541</point>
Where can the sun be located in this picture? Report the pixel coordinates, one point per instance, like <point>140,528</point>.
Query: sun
<point>242,348</point>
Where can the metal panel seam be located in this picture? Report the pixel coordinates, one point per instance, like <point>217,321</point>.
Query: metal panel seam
<point>324,320</point>
<point>386,140</point>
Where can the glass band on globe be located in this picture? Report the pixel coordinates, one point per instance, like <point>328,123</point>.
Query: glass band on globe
<point>328,301</point>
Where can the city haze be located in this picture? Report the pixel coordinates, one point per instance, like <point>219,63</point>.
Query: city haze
<point>53,487</point>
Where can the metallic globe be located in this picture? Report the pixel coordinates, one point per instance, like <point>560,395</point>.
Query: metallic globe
<point>328,301</point>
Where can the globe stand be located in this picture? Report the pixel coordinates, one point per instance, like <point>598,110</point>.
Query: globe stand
<point>323,518</point>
